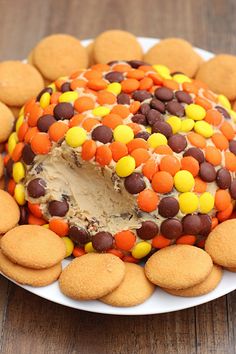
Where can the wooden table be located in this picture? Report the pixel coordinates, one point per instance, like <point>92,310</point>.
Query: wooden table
<point>29,324</point>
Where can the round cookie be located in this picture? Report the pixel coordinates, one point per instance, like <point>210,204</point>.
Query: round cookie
<point>231,269</point>
<point>175,53</point>
<point>221,244</point>
<point>209,284</point>
<point>178,267</point>
<point>27,276</point>
<point>33,246</point>
<point>116,45</point>
<point>133,290</point>
<point>220,75</point>
<point>18,82</point>
<point>59,55</point>
<point>9,212</point>
<point>6,122</point>
<point>92,276</point>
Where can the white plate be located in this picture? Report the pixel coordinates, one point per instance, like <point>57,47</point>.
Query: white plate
<point>160,302</point>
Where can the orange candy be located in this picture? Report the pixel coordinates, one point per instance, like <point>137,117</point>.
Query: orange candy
<point>103,155</point>
<point>163,150</point>
<point>60,227</point>
<point>121,68</point>
<point>136,74</point>
<point>220,141</point>
<point>140,155</point>
<point>146,83</point>
<point>190,164</point>
<point>92,74</point>
<point>197,140</point>
<point>77,83</point>
<point>76,120</point>
<point>213,155</point>
<point>209,95</point>
<point>150,168</point>
<point>35,210</point>
<point>101,67</point>
<point>116,252</point>
<point>137,143</point>
<point>134,107</point>
<point>227,129</point>
<point>213,117</point>
<point>125,240</point>
<point>135,127</point>
<point>186,240</point>
<point>222,199</point>
<point>225,214</point>
<point>200,186</point>
<point>54,97</point>
<point>129,85</point>
<point>171,84</point>
<point>49,109</point>
<point>57,131</point>
<point>112,120</point>
<point>33,220</point>
<point>162,182</point>
<point>89,123</point>
<point>118,150</point>
<point>31,132</point>
<point>156,78</point>
<point>22,131</point>
<point>97,84</point>
<point>121,110</point>
<point>105,97</point>
<point>17,152</point>
<point>204,103</point>
<point>190,87</point>
<point>230,161</point>
<point>34,114</point>
<point>160,241</point>
<point>88,150</point>
<point>41,144</point>
<point>84,104</point>
<point>214,222</point>
<point>170,164</point>
<point>147,200</point>
<point>11,186</point>
<point>78,252</point>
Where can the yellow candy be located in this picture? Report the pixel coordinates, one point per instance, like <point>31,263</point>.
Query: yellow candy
<point>101,111</point>
<point>188,202</point>
<point>125,166</point>
<point>19,194</point>
<point>233,115</point>
<point>22,111</point>
<point>69,96</point>
<point>175,124</point>
<point>180,78</point>
<point>12,141</point>
<point>46,226</point>
<point>89,248</point>
<point>45,100</point>
<point>69,246</point>
<point>203,128</point>
<point>223,100</point>
<point>53,87</point>
<point>206,202</point>
<point>163,71</point>
<point>156,139</point>
<point>187,125</point>
<point>19,122</point>
<point>18,171</point>
<point>195,112</point>
<point>123,133</point>
<point>75,136</point>
<point>114,88</point>
<point>141,249</point>
<point>184,181</point>
<point>149,129</point>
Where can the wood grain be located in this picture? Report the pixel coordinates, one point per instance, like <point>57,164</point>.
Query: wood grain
<point>29,324</point>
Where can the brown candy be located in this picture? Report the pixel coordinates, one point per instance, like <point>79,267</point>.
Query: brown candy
<point>79,235</point>
<point>139,118</point>
<point>144,108</point>
<point>46,89</point>
<point>45,122</point>
<point>141,95</point>
<point>223,112</point>
<point>191,224</point>
<point>207,172</point>
<point>232,146</point>
<point>232,189</point>
<point>163,128</point>
<point>134,183</point>
<point>63,110</point>
<point>223,178</point>
<point>65,87</point>
<point>28,155</point>
<point>154,116</point>
<point>175,108</point>
<point>196,153</point>
<point>114,76</point>
<point>58,208</point>
<point>36,188</point>
<point>123,98</point>
<point>164,94</point>
<point>158,105</point>
<point>177,142</point>
<point>206,224</point>
<point>148,230</point>
<point>171,228</point>
<point>143,135</point>
<point>102,241</point>
<point>183,97</point>
<point>102,133</point>
<point>168,207</point>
